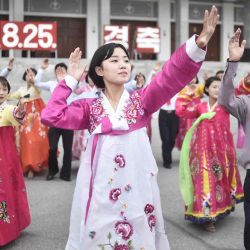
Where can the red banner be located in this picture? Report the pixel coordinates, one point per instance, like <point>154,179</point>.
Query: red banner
<point>28,35</point>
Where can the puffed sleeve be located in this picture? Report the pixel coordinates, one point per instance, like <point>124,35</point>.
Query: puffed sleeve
<point>58,114</point>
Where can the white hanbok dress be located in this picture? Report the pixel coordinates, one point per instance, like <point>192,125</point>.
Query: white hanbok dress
<point>125,211</point>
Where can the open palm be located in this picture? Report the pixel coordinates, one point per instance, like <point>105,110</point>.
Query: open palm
<point>236,49</point>
<point>209,24</point>
<point>74,67</point>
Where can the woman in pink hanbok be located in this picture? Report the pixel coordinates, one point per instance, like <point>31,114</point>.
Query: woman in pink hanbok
<point>116,203</point>
<point>14,209</point>
<point>210,180</point>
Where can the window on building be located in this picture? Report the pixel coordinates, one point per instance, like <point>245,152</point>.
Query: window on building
<point>213,53</point>
<point>56,6</point>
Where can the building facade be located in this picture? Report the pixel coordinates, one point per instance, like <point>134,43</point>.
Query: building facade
<point>80,22</point>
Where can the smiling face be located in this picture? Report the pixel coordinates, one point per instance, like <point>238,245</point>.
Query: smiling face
<point>213,90</point>
<point>4,91</point>
<point>116,69</point>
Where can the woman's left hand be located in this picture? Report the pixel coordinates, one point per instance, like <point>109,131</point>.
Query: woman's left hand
<point>209,24</point>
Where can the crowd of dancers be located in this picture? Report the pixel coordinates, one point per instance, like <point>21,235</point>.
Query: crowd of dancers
<point>104,119</point>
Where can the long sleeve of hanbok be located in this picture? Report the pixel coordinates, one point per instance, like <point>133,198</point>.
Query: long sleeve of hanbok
<point>11,116</point>
<point>42,85</point>
<point>33,92</point>
<point>58,114</point>
<point>236,105</point>
<point>179,70</point>
<point>15,95</point>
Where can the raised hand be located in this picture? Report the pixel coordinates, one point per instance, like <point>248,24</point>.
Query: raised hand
<point>209,24</point>
<point>74,67</point>
<point>45,63</point>
<point>236,49</point>
<point>10,64</point>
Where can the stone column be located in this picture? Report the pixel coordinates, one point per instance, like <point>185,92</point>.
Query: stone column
<point>182,22</point>
<point>164,22</point>
<point>92,33</point>
<point>227,29</point>
<point>105,13</point>
<point>246,55</point>
<point>16,13</point>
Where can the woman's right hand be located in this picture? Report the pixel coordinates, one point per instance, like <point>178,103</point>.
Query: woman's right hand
<point>74,67</point>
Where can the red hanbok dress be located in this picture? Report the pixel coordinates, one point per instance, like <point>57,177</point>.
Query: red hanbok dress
<point>212,161</point>
<point>14,209</point>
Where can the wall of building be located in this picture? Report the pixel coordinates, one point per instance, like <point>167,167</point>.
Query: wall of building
<point>177,20</point>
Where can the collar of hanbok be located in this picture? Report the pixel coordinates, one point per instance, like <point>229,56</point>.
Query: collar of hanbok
<point>211,109</point>
<point>115,119</point>
<point>113,122</point>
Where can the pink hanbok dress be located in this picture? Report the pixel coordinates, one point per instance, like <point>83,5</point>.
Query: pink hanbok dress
<point>14,208</point>
<point>116,203</point>
<point>212,161</point>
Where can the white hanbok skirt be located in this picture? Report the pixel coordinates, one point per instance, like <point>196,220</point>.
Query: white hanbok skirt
<point>125,209</point>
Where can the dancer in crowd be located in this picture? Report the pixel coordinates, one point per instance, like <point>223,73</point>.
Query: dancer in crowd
<point>168,127</point>
<point>119,163</point>
<point>5,72</point>
<point>56,133</point>
<point>210,180</point>
<point>33,135</point>
<point>191,94</point>
<point>239,107</point>
<point>14,209</point>
<point>168,124</point>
